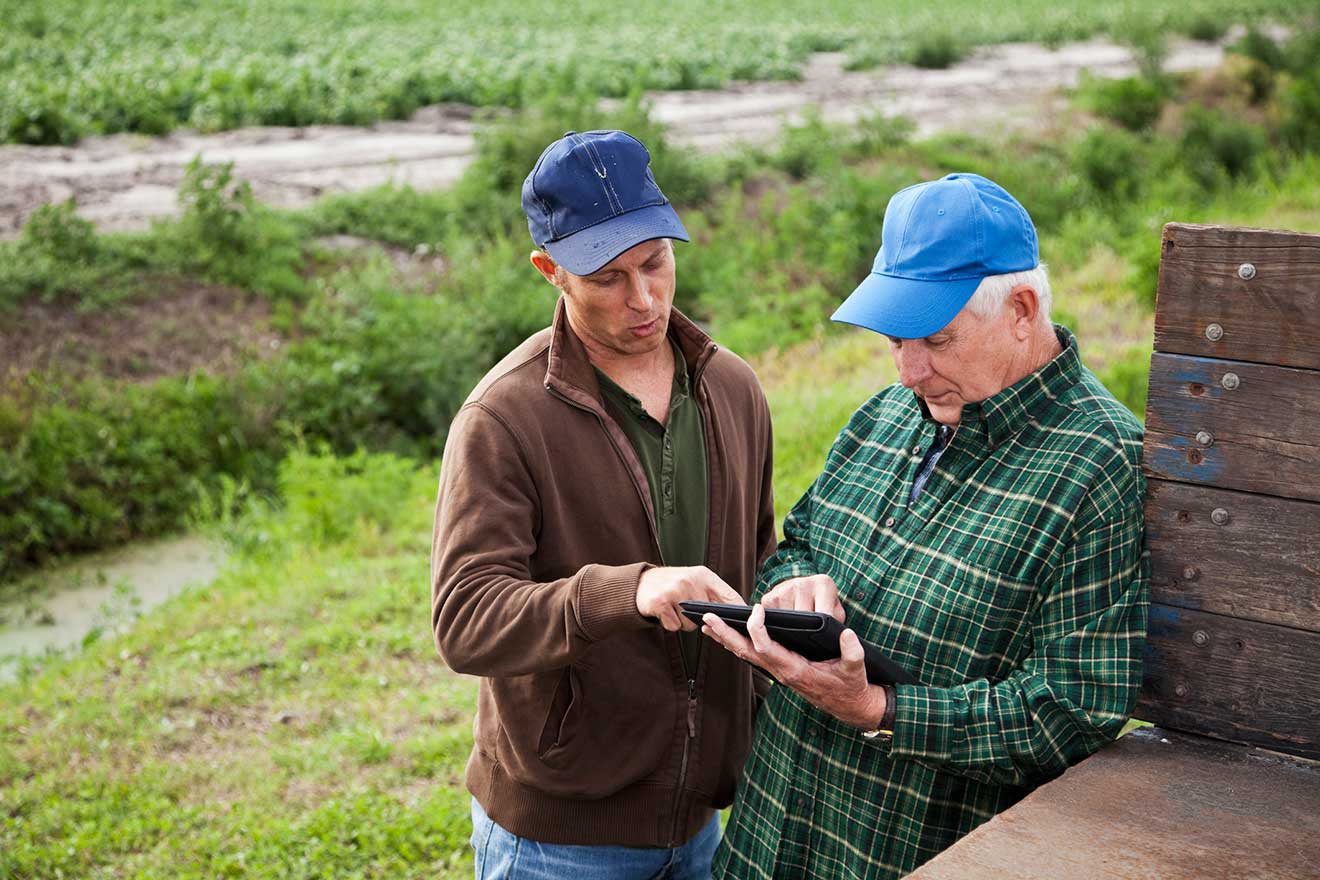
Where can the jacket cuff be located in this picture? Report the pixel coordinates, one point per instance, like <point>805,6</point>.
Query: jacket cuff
<point>928,722</point>
<point>607,599</point>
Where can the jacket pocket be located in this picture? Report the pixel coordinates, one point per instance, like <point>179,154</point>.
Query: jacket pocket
<point>593,729</point>
<point>561,704</point>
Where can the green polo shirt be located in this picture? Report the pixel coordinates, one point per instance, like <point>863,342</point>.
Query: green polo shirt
<point>673,455</point>
<point>1015,587</point>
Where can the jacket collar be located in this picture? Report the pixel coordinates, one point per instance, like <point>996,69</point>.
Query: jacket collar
<point>569,370</point>
<point>1002,415</point>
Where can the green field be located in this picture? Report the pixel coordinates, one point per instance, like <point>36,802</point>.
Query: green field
<point>292,719</point>
<point>70,68</point>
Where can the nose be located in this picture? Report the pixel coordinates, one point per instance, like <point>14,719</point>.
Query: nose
<point>913,365</point>
<point>640,298</point>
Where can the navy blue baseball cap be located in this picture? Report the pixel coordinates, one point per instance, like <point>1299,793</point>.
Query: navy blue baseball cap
<point>591,196</point>
<point>940,239</point>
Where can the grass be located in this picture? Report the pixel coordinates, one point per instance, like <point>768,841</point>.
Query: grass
<point>70,68</point>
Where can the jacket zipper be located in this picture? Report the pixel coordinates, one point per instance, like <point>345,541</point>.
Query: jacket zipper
<point>692,674</point>
<point>683,765</point>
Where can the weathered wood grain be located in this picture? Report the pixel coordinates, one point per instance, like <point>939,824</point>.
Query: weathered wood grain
<point>1263,435</point>
<point>1262,564</point>
<point>1237,680</point>
<point>1154,804</point>
<point>1273,317</point>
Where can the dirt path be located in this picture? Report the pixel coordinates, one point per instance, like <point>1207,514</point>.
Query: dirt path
<point>124,181</point>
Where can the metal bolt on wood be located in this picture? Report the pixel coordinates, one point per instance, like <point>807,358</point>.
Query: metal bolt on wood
<point>1181,690</point>
<point>1190,573</point>
<point>1201,638</point>
<point>1219,516</point>
<point>1205,438</point>
<point>1214,332</point>
<point>1246,271</point>
<point>1230,381</point>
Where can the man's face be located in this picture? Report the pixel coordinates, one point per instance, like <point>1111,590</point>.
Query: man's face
<point>623,308</point>
<point>971,359</point>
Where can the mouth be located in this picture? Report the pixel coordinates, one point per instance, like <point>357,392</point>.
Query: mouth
<point>642,330</point>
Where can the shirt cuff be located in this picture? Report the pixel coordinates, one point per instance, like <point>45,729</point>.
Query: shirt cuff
<point>928,722</point>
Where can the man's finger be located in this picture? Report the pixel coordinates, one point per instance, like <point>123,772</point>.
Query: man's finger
<point>757,631</point>
<point>851,652</point>
<point>725,635</point>
<point>668,619</point>
<point>826,596</point>
<point>803,600</point>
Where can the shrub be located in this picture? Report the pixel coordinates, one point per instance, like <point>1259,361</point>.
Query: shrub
<point>1260,47</point>
<point>1134,103</point>
<point>936,50</point>
<point>1207,27</point>
<point>1111,160</point>
<point>1214,145</point>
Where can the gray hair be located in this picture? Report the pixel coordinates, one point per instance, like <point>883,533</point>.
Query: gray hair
<point>993,291</point>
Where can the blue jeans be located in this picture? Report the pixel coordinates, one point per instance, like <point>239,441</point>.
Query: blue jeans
<point>502,855</point>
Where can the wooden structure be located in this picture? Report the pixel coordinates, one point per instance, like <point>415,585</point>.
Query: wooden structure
<point>1228,782</point>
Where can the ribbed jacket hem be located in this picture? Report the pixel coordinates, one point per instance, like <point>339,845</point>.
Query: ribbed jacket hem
<point>639,815</point>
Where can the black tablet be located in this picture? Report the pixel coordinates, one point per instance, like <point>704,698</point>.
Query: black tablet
<point>813,634</point>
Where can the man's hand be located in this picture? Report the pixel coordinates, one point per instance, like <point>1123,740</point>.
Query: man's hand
<point>838,687</point>
<point>815,592</point>
<point>661,589</point>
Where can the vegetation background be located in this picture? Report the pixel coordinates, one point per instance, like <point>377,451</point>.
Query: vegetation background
<point>291,719</point>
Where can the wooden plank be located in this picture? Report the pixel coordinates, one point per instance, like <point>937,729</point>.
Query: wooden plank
<point>1235,680</point>
<point>1154,804</point>
<point>1262,564</point>
<point>1273,317</point>
<point>1263,430</point>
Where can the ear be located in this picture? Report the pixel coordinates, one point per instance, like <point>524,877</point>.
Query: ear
<point>546,266</point>
<point>1025,309</point>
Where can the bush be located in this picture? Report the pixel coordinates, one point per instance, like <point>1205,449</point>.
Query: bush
<point>936,51</point>
<point>1299,127</point>
<point>1207,27</point>
<point>1261,47</point>
<point>224,235</point>
<point>1134,103</point>
<point>1111,160</point>
<point>1215,145</point>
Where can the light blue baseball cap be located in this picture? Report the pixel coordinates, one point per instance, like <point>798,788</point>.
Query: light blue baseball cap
<point>940,238</point>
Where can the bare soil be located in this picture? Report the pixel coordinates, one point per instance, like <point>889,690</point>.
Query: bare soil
<point>184,326</point>
<point>123,181</point>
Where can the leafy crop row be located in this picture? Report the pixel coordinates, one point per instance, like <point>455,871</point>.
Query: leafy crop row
<point>70,68</point>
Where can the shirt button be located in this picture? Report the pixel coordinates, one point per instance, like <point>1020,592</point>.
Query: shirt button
<point>889,523</point>
<point>669,489</point>
<point>858,595</point>
<point>811,733</point>
<point>803,801</point>
<point>916,450</point>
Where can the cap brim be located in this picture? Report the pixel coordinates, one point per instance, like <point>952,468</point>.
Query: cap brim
<point>905,308</point>
<point>587,250</point>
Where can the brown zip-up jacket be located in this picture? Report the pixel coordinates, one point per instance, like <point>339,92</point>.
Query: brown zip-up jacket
<point>588,730</point>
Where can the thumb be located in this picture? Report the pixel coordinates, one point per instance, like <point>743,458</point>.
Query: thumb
<point>850,649</point>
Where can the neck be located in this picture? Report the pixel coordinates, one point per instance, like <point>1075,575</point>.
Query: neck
<point>626,370</point>
<point>1041,348</point>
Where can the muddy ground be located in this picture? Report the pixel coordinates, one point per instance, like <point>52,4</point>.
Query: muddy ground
<point>124,181</point>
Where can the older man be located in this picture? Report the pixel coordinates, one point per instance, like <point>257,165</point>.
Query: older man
<point>611,465</point>
<point>982,524</point>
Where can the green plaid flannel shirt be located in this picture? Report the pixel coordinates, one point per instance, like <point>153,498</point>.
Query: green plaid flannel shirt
<point>1016,588</point>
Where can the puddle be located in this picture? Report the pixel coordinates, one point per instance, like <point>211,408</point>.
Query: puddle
<point>102,593</point>
<point>123,181</point>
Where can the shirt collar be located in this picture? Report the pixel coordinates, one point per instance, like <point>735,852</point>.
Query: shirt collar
<point>1002,415</point>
